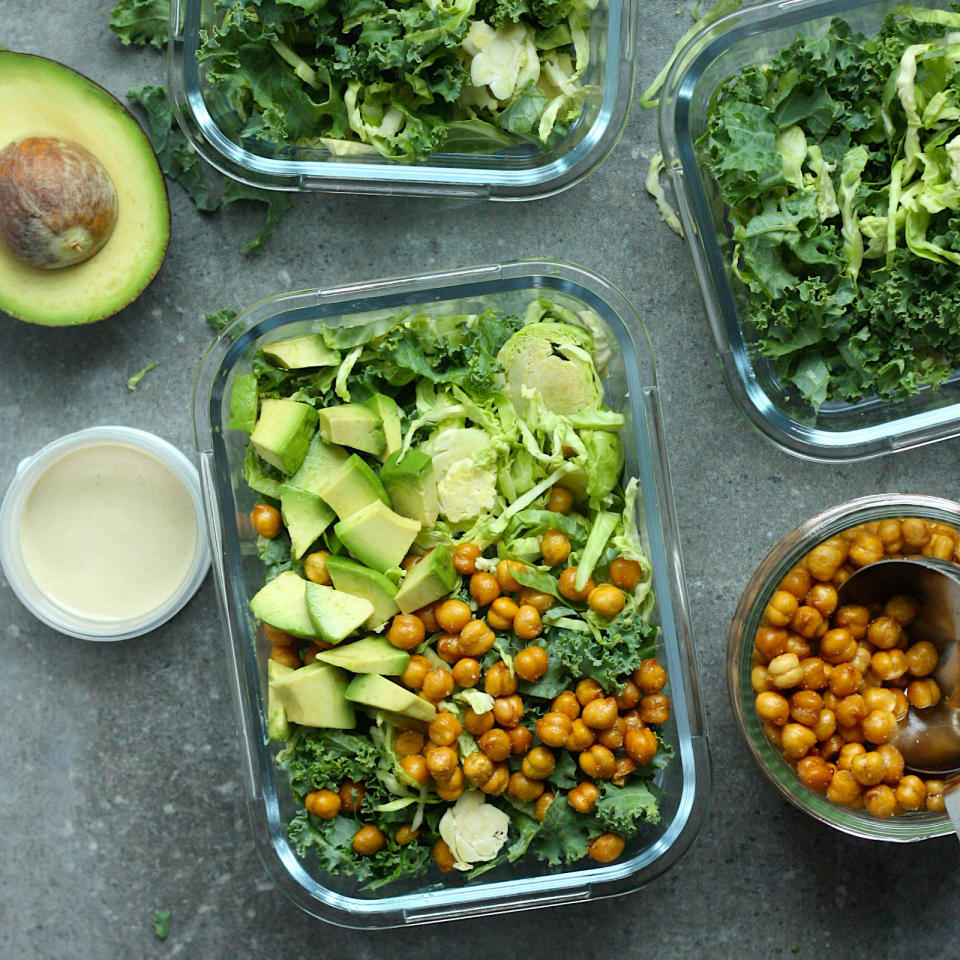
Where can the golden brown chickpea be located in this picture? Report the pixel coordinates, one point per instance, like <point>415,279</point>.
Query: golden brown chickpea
<point>851,710</point>
<point>587,690</point>
<point>521,787</point>
<point>654,708</point>
<point>566,702</point>
<point>613,735</point>
<point>940,545</point>
<point>796,740</point>
<point>911,792</point>
<point>847,752</point>
<point>901,608</point>
<point>916,534</point>
<point>935,801</point>
<point>426,614</point>
<point>278,638</point>
<point>805,707</point>
<point>499,681</point>
<point>881,801</point>
<point>851,734</point>
<point>265,520</point>
<point>286,656</point>
<point>622,771</point>
<point>484,588</point>
<point>600,713</point>
<point>826,725</point>
<point>495,743</point>
<point>408,743</point>
<point>520,740</point>
<point>598,762</point>
<point>566,586</point>
<point>444,728</point>
<point>923,693</point>
<point>606,600</point>
<point>441,762</point>
<point>368,840</point>
<point>838,646</point>
<point>406,631</point>
<point>650,677</point>
<point>527,624</point>
<point>583,797</point>
<point>466,672</point>
<point>476,638</point>
<point>843,574</point>
<point>879,698</point>
<point>554,547</point>
<point>322,803</point>
<point>534,598</point>
<point>501,613</point>
<point>889,664</point>
<point>798,582</point>
<point>901,706</point>
<point>845,679</point>
<point>831,747</point>
<point>770,642</point>
<point>816,675</point>
<point>448,647</point>
<point>606,848</point>
<point>798,645</point>
<point>465,557</point>
<point>437,684</point>
<point>629,695</point>
<point>452,615</point>
<point>415,767</point>
<point>452,788</point>
<point>822,597</point>
<point>781,608</point>
<point>884,633</point>
<point>581,737</point>
<point>843,788</point>
<point>410,561</point>
<point>531,663</point>
<point>443,856</point>
<point>824,559</point>
<point>561,500</point>
<point>808,622</point>
<point>508,711</point>
<point>921,658</point>
<point>866,548</point>
<point>477,723</point>
<point>351,796</point>
<point>854,618</point>
<point>641,746</point>
<point>405,835</point>
<point>830,700</point>
<point>815,772</point>
<point>785,671</point>
<point>542,805</point>
<point>310,656</point>
<point>315,567</point>
<point>892,763</point>
<point>772,733</point>
<point>867,768</point>
<point>477,768</point>
<point>553,728</point>
<point>498,782</point>
<point>413,675</point>
<point>625,574</point>
<point>890,535</point>
<point>505,578</point>
<point>861,659</point>
<point>773,707</point>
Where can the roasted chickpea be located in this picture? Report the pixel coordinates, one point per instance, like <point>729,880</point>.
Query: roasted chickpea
<point>884,633</point>
<point>785,671</point>
<point>443,856</point>
<point>889,664</point>
<point>581,737</point>
<point>851,710</point>
<point>542,805</point>
<point>773,733</point>
<point>843,788</point>
<point>520,740</point>
<point>521,787</point>
<point>542,602</point>
<point>650,677</point>
<point>772,707</point>
<point>368,840</point>
<point>879,698</point>
<point>405,835</point>
<point>921,658</point>
<point>322,803</point>
<point>566,702</point>
<point>625,574</point>
<point>847,753</point>
<point>866,548</point>
<point>911,792</point>
<point>408,743</point>
<point>415,767</point>
<point>441,762</point>
<point>892,763</point>
<point>465,557</point>
<point>781,608</point>
<point>416,669</point>
<point>538,764</point>
<point>554,547</point>
<point>286,656</point>
<point>613,735</point>
<point>606,848</point>
<point>923,693</point>
<point>845,679</point>
<point>822,597</point>
<point>279,638</point>
<point>410,561</point>
<point>508,711</point>
<point>560,500</point>
<point>853,618</point>
<point>796,740</point>
<point>881,801</point>
<point>940,545</point>
<point>495,743</point>
<point>451,788</point>
<point>476,638</point>
<point>901,608</point>
<point>770,642</point>
<point>466,672</point>
<point>654,708</point>
<point>851,734</point>
<point>444,729</point>
<point>448,647</point>
<point>867,768</point>
<point>484,588</point>
<point>831,747</point>
<point>838,646</point>
<point>935,801</point>
<point>406,631</point>
<point>601,713</point>
<point>826,725</point>
<point>437,684</point>
<point>622,770</point>
<point>501,613</point>
<point>805,707</point>
<point>499,681</point>
<point>452,615</point>
<point>606,600</point>
<point>477,768</point>
<point>531,663</point>
<point>901,706</point>
<point>583,797</point>
<point>861,659</point>
<point>498,782</point>
<point>798,645</point>
<point>587,690</point>
<point>426,614</point>
<point>315,567</point>
<point>641,746</point>
<point>265,520</point>
<point>566,586</point>
<point>553,728</point>
<point>815,772</point>
<point>477,723</point>
<point>825,558</point>
<point>798,582</point>
<point>808,622</point>
<point>598,762</point>
<point>351,796</point>
<point>505,578</point>
<point>527,624</point>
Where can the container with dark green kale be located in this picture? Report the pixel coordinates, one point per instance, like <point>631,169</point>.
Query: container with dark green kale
<point>457,630</point>
<point>814,154</point>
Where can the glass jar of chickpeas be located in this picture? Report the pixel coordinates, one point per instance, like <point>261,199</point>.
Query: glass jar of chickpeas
<point>818,688</point>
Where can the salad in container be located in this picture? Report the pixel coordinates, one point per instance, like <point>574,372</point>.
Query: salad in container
<point>454,628</point>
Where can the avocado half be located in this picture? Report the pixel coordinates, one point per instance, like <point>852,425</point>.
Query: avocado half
<point>44,98</point>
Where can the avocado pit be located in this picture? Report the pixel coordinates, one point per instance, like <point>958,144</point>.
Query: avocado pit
<point>58,205</point>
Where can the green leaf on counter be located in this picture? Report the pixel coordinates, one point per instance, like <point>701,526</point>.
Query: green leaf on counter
<point>134,381</point>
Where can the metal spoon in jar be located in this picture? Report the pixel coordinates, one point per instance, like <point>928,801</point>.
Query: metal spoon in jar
<point>929,739</point>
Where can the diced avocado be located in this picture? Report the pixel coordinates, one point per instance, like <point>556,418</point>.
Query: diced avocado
<point>432,578</point>
<point>353,425</point>
<point>243,403</point>
<point>369,655</point>
<point>411,485</point>
<point>283,433</point>
<point>351,487</point>
<point>305,516</point>
<point>377,536</point>
<point>282,603</point>
<point>377,691</point>
<point>298,353</point>
<point>335,614</point>
<point>314,695</point>
<point>277,726</point>
<point>361,581</point>
<point>322,459</point>
<point>386,408</point>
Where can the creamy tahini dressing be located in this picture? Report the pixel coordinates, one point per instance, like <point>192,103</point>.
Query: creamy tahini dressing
<point>108,531</point>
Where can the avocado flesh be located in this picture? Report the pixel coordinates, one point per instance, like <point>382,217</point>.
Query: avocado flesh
<point>430,579</point>
<point>377,691</point>
<point>352,487</point>
<point>243,403</point>
<point>278,728</point>
<point>352,577</point>
<point>320,461</point>
<point>282,603</point>
<point>299,353</point>
<point>283,432</point>
<point>411,484</point>
<point>44,98</point>
<point>314,696</point>
<point>353,425</point>
<point>304,515</point>
<point>369,655</point>
<point>386,408</point>
<point>377,536</point>
<point>335,614</point>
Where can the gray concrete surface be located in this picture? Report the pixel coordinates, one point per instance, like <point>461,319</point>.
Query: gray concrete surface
<point>120,790</point>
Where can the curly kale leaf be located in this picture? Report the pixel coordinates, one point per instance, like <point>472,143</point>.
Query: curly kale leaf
<point>623,809</point>
<point>141,22</point>
<point>323,759</point>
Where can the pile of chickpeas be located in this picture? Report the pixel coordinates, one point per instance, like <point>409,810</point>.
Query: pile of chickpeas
<point>609,733</point>
<point>833,682</point>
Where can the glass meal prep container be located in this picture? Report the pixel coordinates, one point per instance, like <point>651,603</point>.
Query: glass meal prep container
<point>842,431</point>
<point>522,172</point>
<point>631,388</point>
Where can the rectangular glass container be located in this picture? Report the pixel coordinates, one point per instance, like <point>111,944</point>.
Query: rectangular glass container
<point>841,431</point>
<point>631,388</point>
<point>522,172</point>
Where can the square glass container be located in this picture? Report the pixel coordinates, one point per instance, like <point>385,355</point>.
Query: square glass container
<point>631,388</point>
<point>522,172</point>
<point>841,431</point>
